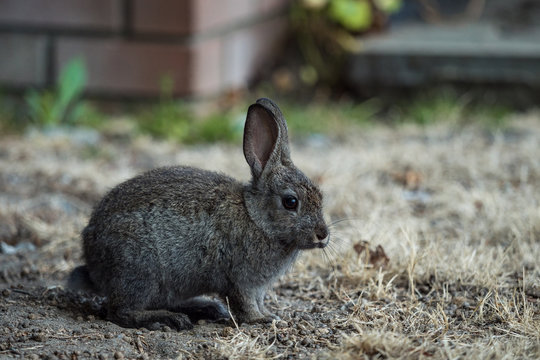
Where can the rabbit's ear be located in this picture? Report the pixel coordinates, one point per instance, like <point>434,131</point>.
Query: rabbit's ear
<point>265,137</point>
<point>278,117</point>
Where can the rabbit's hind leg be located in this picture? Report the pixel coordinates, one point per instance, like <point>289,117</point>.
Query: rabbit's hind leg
<point>136,312</point>
<point>150,319</point>
<point>199,308</point>
<point>134,300</point>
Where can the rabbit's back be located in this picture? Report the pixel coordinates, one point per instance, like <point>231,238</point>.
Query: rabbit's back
<point>179,187</point>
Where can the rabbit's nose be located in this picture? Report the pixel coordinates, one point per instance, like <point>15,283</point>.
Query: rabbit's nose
<point>321,233</point>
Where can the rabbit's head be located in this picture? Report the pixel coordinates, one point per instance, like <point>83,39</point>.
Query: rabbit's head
<point>281,200</point>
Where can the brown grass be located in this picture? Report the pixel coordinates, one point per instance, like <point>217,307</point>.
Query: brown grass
<point>463,278</point>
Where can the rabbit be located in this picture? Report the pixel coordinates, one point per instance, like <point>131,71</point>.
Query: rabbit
<point>157,243</point>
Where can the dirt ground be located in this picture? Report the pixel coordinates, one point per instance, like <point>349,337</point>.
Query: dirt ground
<point>434,254</point>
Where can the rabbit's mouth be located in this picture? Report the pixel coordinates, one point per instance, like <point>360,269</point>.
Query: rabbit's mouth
<point>316,243</point>
<point>321,244</point>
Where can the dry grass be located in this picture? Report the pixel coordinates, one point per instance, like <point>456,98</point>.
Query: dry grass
<point>455,211</point>
<point>463,238</point>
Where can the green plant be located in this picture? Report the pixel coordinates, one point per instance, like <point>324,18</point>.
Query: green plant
<point>446,105</point>
<point>329,28</point>
<point>60,106</point>
<point>353,15</point>
<point>495,116</point>
<point>435,107</point>
<point>172,119</point>
<point>215,127</point>
<point>167,118</point>
<point>8,110</point>
<point>334,118</point>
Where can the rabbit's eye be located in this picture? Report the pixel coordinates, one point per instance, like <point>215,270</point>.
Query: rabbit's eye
<point>290,202</point>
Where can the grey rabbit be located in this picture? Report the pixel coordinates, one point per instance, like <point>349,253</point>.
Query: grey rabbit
<point>157,242</point>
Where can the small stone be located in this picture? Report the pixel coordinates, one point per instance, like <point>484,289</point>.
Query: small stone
<point>32,316</point>
<point>227,331</point>
<point>289,343</point>
<point>118,355</point>
<point>6,292</point>
<point>282,324</point>
<point>322,331</point>
<point>39,337</point>
<point>270,353</point>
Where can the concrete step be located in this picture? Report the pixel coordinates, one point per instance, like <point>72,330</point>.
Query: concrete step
<point>418,54</point>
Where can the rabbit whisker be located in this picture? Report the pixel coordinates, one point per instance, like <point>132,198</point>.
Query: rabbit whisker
<point>339,221</point>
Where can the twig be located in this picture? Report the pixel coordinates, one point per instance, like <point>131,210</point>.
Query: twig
<point>23,292</point>
<point>230,314</point>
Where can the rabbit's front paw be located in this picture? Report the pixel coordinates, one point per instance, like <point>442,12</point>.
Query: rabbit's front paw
<point>267,319</point>
<point>257,318</point>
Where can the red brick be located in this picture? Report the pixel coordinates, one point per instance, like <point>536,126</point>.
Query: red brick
<point>72,14</point>
<point>182,17</point>
<point>247,50</point>
<point>162,16</point>
<point>117,67</point>
<point>271,6</point>
<point>23,60</point>
<point>225,47</point>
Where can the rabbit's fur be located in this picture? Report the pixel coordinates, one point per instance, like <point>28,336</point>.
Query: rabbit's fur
<point>157,241</point>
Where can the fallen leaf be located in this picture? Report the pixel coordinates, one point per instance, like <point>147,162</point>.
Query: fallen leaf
<point>408,178</point>
<point>377,258</point>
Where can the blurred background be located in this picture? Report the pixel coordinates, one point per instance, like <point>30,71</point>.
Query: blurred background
<point>186,69</point>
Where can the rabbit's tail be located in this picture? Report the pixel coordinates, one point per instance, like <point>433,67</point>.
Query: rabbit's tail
<point>79,279</point>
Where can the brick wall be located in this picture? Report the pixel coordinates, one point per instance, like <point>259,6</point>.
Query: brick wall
<point>205,46</point>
